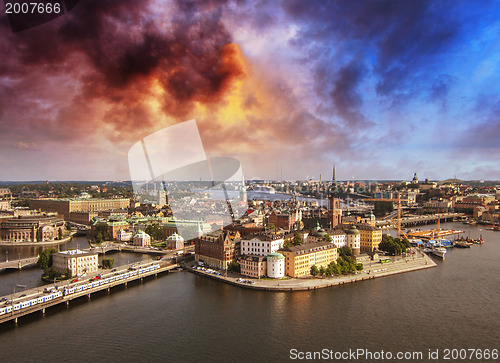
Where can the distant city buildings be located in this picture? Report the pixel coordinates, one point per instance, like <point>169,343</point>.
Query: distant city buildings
<point>32,228</point>
<point>67,206</point>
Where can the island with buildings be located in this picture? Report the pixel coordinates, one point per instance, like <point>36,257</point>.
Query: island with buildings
<point>301,236</point>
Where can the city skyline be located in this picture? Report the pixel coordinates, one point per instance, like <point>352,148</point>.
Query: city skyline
<point>380,89</point>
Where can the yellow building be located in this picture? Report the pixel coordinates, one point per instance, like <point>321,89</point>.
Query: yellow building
<point>370,237</point>
<point>300,259</point>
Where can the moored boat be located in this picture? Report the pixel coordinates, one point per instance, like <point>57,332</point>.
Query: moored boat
<point>439,252</point>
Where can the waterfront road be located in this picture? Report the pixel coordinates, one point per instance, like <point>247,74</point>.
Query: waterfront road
<point>372,270</point>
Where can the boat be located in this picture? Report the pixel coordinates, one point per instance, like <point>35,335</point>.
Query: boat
<point>462,244</point>
<point>439,252</point>
<point>264,189</point>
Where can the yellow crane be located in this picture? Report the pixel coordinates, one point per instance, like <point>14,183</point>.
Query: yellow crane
<point>398,202</point>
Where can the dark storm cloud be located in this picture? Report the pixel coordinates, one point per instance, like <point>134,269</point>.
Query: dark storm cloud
<point>397,40</point>
<point>118,47</point>
<point>342,91</point>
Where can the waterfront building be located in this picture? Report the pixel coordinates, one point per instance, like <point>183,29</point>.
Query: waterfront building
<point>275,265</point>
<point>32,228</point>
<point>438,205</point>
<point>142,239</point>
<point>123,236</point>
<point>77,262</point>
<point>300,259</point>
<point>354,239</point>
<point>262,244</point>
<point>175,242</point>
<point>66,206</point>
<point>370,237</point>
<point>253,266</point>
<point>218,249</point>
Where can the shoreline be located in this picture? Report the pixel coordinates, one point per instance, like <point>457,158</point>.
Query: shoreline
<point>34,244</point>
<point>292,284</point>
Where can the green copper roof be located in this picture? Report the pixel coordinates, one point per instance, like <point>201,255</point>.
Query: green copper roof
<point>275,255</point>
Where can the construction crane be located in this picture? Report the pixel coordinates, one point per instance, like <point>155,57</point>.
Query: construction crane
<point>398,202</point>
<point>493,225</point>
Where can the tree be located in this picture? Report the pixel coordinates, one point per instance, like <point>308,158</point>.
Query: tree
<point>101,232</point>
<point>345,251</point>
<point>271,226</point>
<point>234,266</point>
<point>108,262</point>
<point>327,238</point>
<point>45,259</point>
<point>393,246</point>
<point>39,236</point>
<point>382,208</point>
<point>297,239</point>
<point>59,233</point>
<point>314,270</point>
<point>155,231</point>
<point>322,271</point>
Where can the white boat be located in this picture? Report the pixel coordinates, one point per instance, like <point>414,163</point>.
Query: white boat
<point>264,189</point>
<point>439,252</point>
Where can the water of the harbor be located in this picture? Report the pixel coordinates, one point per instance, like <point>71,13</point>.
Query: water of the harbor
<point>182,317</point>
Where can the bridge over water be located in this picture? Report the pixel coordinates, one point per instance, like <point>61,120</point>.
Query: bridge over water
<point>19,264</point>
<point>41,307</point>
<point>418,220</point>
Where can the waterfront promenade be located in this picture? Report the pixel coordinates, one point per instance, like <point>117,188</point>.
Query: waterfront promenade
<point>372,270</point>
<point>36,244</point>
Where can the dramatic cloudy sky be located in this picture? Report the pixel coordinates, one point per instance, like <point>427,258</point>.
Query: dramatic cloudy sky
<point>380,88</point>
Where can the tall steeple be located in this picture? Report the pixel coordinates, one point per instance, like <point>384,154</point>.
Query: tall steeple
<point>334,181</point>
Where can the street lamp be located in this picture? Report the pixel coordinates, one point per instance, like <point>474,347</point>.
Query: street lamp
<point>12,298</point>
